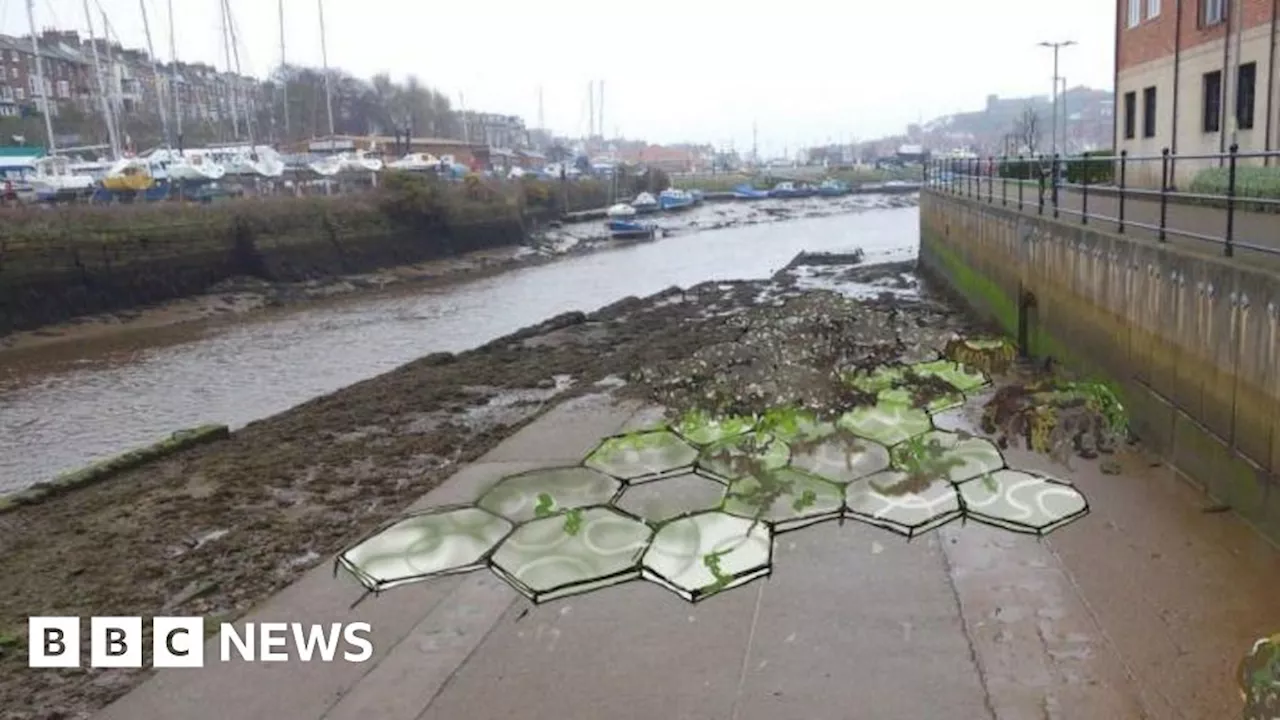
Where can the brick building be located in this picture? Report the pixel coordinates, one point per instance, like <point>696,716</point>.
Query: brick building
<point>1195,76</point>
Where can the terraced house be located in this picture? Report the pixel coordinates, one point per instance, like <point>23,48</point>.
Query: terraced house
<point>1195,76</point>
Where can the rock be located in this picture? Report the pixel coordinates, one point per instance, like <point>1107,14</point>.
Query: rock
<point>193,590</point>
<point>1111,467</point>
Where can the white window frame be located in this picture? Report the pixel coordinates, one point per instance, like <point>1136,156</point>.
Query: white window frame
<point>1153,9</point>
<point>1135,13</point>
<point>1213,12</point>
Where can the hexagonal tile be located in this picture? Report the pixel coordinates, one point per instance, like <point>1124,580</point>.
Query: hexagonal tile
<point>904,396</point>
<point>702,429</point>
<point>886,423</point>
<point>523,497</point>
<point>737,456</point>
<point>878,380</point>
<point>888,500</point>
<point>572,552</point>
<point>438,542</point>
<point>801,427</point>
<point>962,457</point>
<point>958,376</point>
<point>657,501</point>
<point>1022,502</point>
<point>642,454</point>
<point>840,459</point>
<point>700,555</point>
<point>805,500</point>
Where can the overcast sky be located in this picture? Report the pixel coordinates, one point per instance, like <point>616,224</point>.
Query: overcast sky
<point>697,70</point>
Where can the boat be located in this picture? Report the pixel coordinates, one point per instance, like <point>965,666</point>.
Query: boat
<point>621,211</point>
<point>793,190</point>
<point>746,192</point>
<point>644,203</point>
<point>833,188</point>
<point>183,167</point>
<point>359,162</point>
<point>52,177</point>
<point>622,229</point>
<point>258,161</point>
<point>674,199</point>
<point>698,196</point>
<point>129,175</point>
<point>325,165</point>
<point>416,162</point>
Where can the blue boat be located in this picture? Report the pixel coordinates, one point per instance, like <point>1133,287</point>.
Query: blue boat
<point>697,195</point>
<point>786,190</point>
<point>673,199</point>
<point>833,188</point>
<point>746,192</point>
<point>631,229</point>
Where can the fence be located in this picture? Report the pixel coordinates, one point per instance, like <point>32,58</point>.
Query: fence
<point>1235,190</point>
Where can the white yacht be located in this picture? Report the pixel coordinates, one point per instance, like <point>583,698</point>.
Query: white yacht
<point>416,162</point>
<point>53,175</point>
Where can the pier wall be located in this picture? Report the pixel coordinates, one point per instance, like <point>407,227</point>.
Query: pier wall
<point>57,276</point>
<point>1191,341</point>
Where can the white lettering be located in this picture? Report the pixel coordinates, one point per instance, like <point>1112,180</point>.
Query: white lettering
<point>307,642</point>
<point>273,636</point>
<point>353,637</point>
<point>230,637</point>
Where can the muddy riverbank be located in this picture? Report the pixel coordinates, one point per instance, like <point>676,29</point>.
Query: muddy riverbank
<point>244,294</point>
<point>215,530</point>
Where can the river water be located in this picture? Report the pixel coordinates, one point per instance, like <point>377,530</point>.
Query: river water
<point>66,407</point>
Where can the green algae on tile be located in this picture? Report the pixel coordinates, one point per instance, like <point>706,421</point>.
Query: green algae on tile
<point>641,454</point>
<point>707,553</point>
<point>519,498</point>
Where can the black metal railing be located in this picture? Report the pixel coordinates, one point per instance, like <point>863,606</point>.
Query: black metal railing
<point>1133,192</point>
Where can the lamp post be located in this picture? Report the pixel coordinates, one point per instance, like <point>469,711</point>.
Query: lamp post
<point>1056,47</point>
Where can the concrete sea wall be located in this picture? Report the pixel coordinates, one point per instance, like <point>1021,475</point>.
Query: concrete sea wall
<point>54,276</point>
<point>1191,341</point>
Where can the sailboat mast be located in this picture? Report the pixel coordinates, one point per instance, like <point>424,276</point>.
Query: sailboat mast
<point>44,91</point>
<point>600,118</point>
<point>249,110</point>
<point>155,72</point>
<point>177,91</point>
<point>324,56</point>
<point>284,75</point>
<point>102,87</point>
<point>114,88</point>
<point>226,48</point>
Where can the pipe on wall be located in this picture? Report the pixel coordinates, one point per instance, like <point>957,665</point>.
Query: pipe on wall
<point>1271,74</point>
<point>1177,77</point>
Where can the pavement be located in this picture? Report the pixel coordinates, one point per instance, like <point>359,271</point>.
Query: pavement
<point>1140,609</point>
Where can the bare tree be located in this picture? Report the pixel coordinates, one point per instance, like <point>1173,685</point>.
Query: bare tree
<point>1027,129</point>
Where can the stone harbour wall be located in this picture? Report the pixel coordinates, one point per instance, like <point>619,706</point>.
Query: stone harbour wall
<point>1192,342</point>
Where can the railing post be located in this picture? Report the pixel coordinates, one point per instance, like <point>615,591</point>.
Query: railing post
<point>1164,191</point>
<point>1054,179</point>
<point>1230,250</point>
<point>1040,167</point>
<point>991,179</point>
<point>1124,157</point>
<point>1003,169</point>
<point>1084,189</point>
<point>1019,178</point>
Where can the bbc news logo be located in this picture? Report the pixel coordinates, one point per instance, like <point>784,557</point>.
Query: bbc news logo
<point>179,642</point>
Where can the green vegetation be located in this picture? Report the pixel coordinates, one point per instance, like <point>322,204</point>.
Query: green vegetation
<point>1251,182</point>
<point>766,179</point>
<point>545,507</point>
<point>1094,172</point>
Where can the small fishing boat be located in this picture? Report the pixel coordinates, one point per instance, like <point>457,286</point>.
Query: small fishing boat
<point>622,229</point>
<point>130,175</point>
<point>793,190</point>
<point>674,199</point>
<point>621,211</point>
<point>52,177</point>
<point>416,162</point>
<point>645,203</point>
<point>746,192</point>
<point>833,188</point>
<point>359,162</point>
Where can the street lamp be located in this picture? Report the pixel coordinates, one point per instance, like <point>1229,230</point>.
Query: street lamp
<point>1056,47</point>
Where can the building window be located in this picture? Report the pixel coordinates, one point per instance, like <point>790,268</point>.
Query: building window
<point>1245,87</point>
<point>1212,101</point>
<point>1153,8</point>
<point>1149,112</point>
<point>1135,13</point>
<point>1212,12</point>
<point>1130,114</point>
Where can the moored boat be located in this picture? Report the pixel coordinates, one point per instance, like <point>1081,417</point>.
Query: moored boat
<point>833,188</point>
<point>416,162</point>
<point>746,192</point>
<point>622,229</point>
<point>52,177</point>
<point>620,211</point>
<point>644,203</point>
<point>674,199</point>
